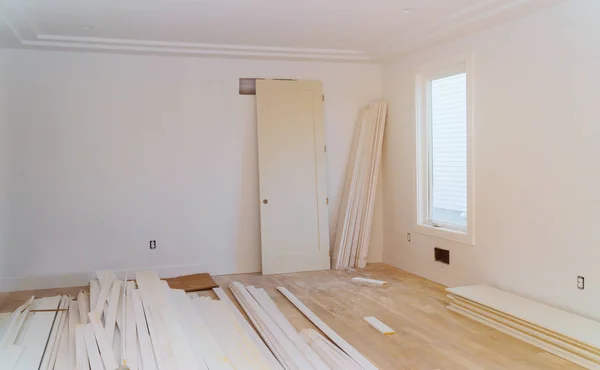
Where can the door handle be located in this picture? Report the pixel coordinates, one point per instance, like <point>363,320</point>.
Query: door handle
<point>265,201</point>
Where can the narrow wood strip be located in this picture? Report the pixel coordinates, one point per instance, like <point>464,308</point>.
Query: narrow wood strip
<point>81,355</point>
<point>275,365</point>
<point>84,308</point>
<point>106,350</point>
<point>528,339</point>
<point>148,361</point>
<point>111,316</point>
<point>131,337</point>
<point>532,333</point>
<point>369,281</point>
<point>267,303</point>
<point>289,355</point>
<point>35,334</point>
<point>231,337</point>
<point>330,333</point>
<point>92,348</point>
<point>205,346</point>
<point>334,357</point>
<point>379,326</point>
<point>565,323</point>
<point>529,325</point>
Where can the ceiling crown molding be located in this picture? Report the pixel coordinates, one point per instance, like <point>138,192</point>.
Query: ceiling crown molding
<point>17,19</point>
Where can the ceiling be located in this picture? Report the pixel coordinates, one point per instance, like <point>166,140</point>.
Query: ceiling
<point>352,30</point>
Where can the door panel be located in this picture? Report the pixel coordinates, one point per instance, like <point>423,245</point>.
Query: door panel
<point>291,151</point>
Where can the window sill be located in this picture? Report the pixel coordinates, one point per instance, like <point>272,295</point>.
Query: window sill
<point>445,233</point>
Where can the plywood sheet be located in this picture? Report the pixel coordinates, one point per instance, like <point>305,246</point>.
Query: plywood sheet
<point>192,283</point>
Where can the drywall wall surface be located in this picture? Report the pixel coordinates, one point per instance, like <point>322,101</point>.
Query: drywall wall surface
<point>112,151</point>
<point>536,160</point>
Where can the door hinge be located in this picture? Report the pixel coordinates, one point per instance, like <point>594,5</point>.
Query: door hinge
<point>323,96</point>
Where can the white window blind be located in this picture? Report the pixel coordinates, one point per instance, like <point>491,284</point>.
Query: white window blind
<point>448,166</point>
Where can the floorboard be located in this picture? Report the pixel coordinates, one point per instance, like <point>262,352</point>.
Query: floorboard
<point>428,336</point>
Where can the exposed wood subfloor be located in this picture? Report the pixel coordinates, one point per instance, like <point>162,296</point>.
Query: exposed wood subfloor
<point>428,336</point>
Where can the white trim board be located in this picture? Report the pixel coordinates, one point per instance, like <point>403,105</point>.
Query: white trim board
<point>568,324</point>
<point>12,284</point>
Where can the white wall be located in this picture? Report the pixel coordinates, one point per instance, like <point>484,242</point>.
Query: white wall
<point>111,151</point>
<point>537,131</point>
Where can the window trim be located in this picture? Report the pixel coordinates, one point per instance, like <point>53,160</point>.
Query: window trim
<point>424,75</point>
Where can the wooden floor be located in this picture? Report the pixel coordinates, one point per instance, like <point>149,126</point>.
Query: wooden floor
<point>428,336</point>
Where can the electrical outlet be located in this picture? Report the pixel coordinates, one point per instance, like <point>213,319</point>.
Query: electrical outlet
<point>152,244</point>
<point>580,282</point>
<point>408,237</point>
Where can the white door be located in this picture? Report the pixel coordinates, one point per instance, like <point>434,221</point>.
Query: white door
<point>292,169</point>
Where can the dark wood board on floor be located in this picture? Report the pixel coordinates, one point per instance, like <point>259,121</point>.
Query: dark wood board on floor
<point>192,283</point>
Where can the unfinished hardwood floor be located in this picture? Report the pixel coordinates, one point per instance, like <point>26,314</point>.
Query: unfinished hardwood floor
<point>428,336</point>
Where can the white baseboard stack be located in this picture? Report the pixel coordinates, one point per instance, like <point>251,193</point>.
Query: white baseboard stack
<point>145,325</point>
<point>566,335</point>
<point>353,231</point>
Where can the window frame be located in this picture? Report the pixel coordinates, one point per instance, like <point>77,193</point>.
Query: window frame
<point>423,78</point>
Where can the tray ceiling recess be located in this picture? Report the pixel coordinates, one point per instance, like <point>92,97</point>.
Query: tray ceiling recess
<point>333,30</point>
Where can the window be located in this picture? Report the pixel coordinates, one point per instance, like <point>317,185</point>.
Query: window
<point>444,127</point>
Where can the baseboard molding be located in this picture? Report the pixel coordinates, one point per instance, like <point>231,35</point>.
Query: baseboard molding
<point>83,278</point>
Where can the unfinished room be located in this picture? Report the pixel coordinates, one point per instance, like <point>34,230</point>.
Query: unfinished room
<point>299,185</point>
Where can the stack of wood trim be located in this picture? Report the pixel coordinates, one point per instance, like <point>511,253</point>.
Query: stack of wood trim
<point>146,325</point>
<point>569,336</point>
<point>303,351</point>
<point>351,244</point>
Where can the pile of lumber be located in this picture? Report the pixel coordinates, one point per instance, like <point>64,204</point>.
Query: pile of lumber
<point>146,325</point>
<point>353,232</point>
<point>569,336</point>
<point>291,350</point>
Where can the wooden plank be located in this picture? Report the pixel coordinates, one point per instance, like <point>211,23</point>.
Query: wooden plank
<point>491,312</point>
<point>11,327</point>
<point>364,241</point>
<point>334,357</point>
<point>91,348</point>
<point>379,326</point>
<point>81,355</point>
<point>343,225</point>
<point>34,335</point>
<point>148,361</point>
<point>192,283</point>
<point>94,292</point>
<point>113,305</point>
<point>369,281</point>
<point>205,346</point>
<point>105,346</point>
<point>102,297</point>
<point>166,321</point>
<point>74,320</point>
<point>275,365</point>
<point>570,325</point>
<point>330,333</point>
<point>63,360</point>
<point>532,333</point>
<point>84,308</point>
<point>283,348</point>
<point>528,339</point>
<point>131,343</point>
<point>54,339</point>
<point>260,325</point>
<point>232,338</point>
<point>9,356</point>
<point>269,306</point>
